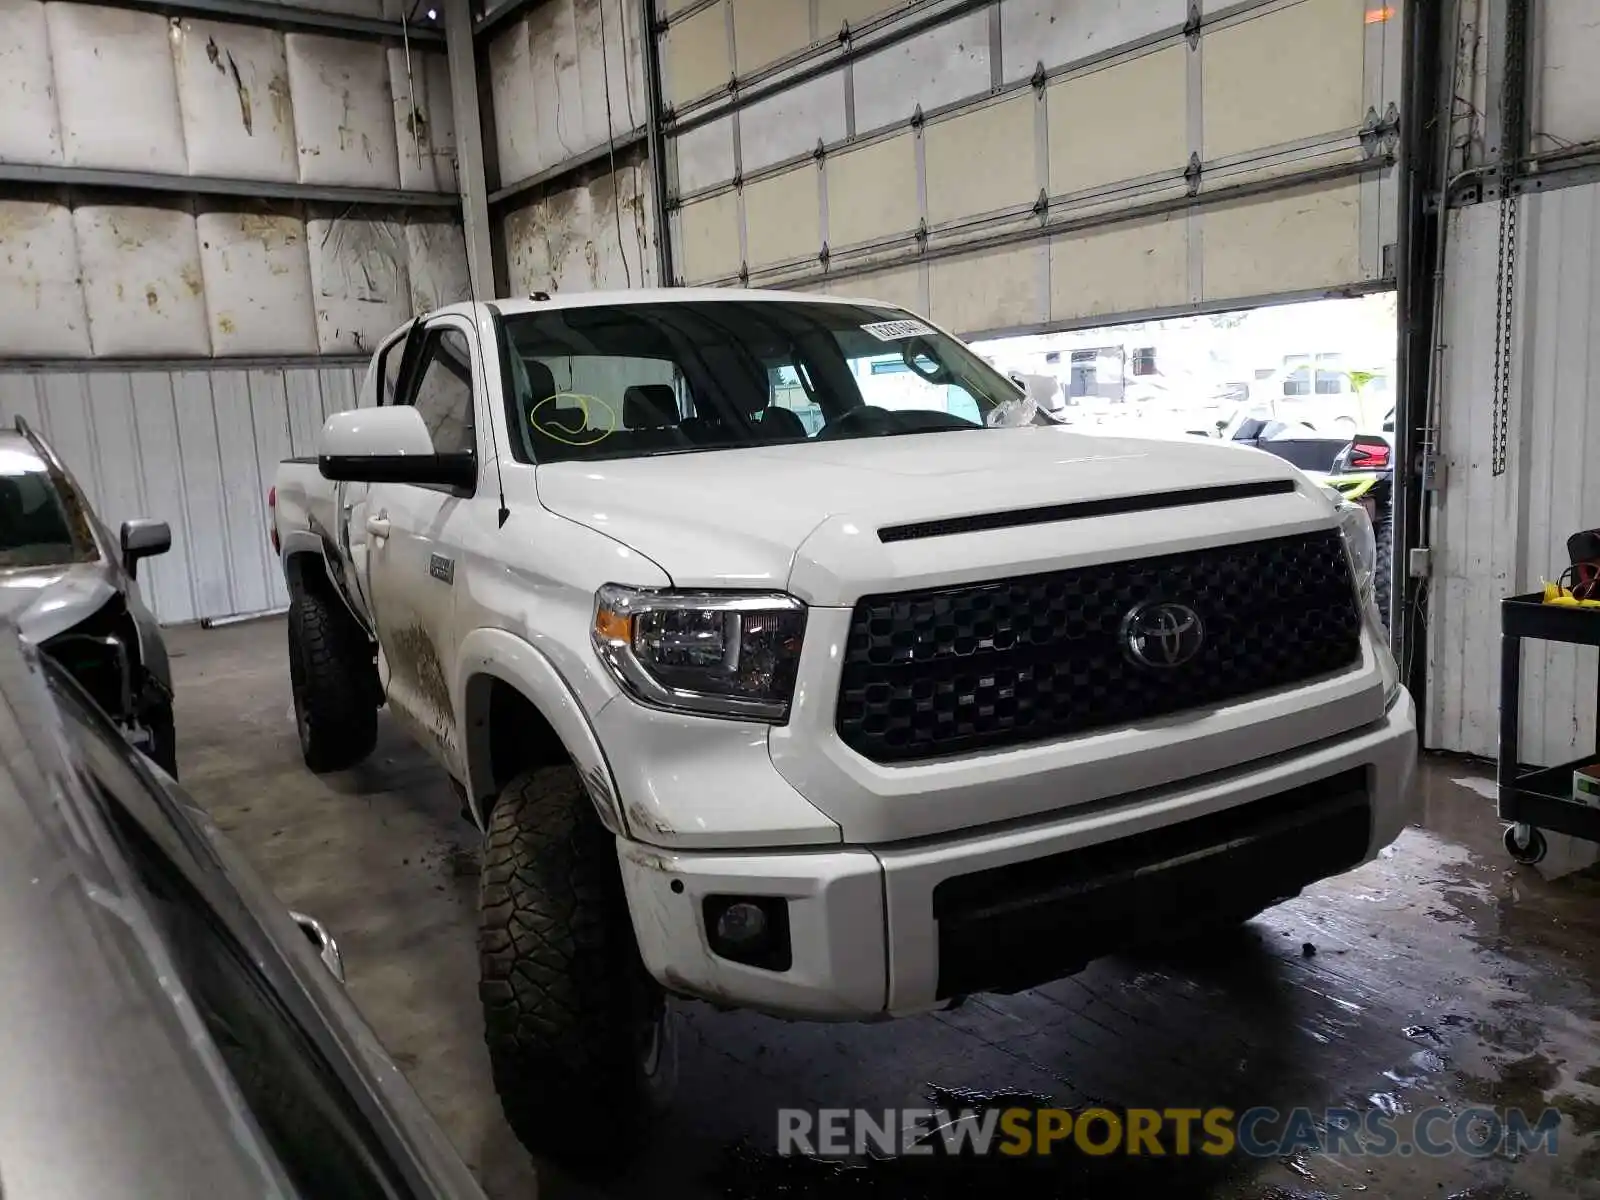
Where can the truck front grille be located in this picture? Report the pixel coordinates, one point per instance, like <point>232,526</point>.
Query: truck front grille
<point>947,671</point>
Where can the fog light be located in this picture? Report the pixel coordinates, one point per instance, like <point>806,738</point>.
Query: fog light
<point>753,930</point>
<point>742,924</point>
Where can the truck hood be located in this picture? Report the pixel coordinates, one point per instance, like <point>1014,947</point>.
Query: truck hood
<point>743,518</point>
<point>44,601</point>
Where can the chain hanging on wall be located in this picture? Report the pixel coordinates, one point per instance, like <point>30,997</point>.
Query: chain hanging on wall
<point>1511,142</point>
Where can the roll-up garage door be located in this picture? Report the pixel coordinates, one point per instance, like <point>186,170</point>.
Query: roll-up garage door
<point>1034,164</point>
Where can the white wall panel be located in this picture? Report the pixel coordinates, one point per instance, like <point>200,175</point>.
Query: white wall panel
<point>932,69</point>
<point>833,15</point>
<point>1499,536</point>
<point>704,156</point>
<point>571,241</point>
<point>30,131</point>
<point>1052,33</point>
<point>782,217</point>
<point>142,281</point>
<point>765,31</point>
<point>233,90</point>
<point>44,310</point>
<point>872,191</point>
<point>343,111</point>
<point>258,283</point>
<point>708,242</point>
<point>997,290</point>
<point>196,449</point>
<point>1119,123</point>
<point>973,162</point>
<point>792,123</point>
<point>424,117</point>
<point>1127,268</point>
<point>1289,242</point>
<point>1263,87</point>
<point>1567,89</point>
<point>563,79</point>
<point>436,262</point>
<point>359,285</point>
<point>115,89</point>
<point>695,55</point>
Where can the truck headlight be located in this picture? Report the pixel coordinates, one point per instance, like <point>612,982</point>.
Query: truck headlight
<point>1361,545</point>
<point>720,654</point>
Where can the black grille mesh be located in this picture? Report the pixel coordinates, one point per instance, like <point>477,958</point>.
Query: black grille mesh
<point>951,670</point>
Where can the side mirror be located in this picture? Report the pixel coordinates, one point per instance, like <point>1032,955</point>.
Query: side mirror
<point>143,538</point>
<point>322,941</point>
<point>388,445</point>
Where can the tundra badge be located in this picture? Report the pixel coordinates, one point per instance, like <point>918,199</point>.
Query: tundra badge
<point>441,567</point>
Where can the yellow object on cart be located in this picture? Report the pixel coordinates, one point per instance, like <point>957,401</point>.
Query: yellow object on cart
<point>1554,593</point>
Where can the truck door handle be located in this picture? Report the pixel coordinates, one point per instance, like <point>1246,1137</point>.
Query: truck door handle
<point>378,526</point>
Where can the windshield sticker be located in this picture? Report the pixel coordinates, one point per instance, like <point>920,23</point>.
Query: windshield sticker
<point>897,331</point>
<point>571,422</point>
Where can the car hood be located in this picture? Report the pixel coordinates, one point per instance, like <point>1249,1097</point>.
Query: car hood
<point>45,601</point>
<point>746,518</point>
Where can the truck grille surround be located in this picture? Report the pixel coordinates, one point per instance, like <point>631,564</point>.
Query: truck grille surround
<point>946,671</point>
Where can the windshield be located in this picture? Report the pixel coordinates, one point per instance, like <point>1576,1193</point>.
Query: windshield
<point>623,381</point>
<point>34,529</point>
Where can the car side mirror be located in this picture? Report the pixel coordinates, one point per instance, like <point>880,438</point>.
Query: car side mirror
<point>143,538</point>
<point>389,445</point>
<point>322,941</point>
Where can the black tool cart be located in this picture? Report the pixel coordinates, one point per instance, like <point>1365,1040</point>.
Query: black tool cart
<point>1538,798</point>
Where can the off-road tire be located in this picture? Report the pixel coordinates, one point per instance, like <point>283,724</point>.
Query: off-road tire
<point>330,669</point>
<point>1383,569</point>
<point>570,1015</point>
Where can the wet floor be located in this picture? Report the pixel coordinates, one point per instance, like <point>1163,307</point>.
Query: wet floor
<point>1438,976</point>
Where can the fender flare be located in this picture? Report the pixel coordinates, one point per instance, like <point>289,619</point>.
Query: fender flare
<point>309,541</point>
<point>497,654</point>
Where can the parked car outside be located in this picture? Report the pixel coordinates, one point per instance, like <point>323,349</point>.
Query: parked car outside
<point>171,1030</point>
<point>72,588</point>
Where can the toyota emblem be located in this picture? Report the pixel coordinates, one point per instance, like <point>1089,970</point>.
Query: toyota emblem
<point>1162,635</point>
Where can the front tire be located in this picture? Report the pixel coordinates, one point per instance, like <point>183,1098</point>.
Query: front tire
<point>330,673</point>
<point>581,1039</point>
<point>163,738</point>
<point>1383,570</point>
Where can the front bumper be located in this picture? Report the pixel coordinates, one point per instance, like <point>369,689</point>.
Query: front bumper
<point>904,927</point>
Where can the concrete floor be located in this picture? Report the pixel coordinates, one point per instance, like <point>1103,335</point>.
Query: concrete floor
<point>1439,973</point>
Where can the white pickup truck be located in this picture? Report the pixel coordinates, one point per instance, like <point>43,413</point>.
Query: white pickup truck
<point>933,700</point>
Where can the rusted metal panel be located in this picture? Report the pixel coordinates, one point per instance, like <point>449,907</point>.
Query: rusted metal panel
<point>343,111</point>
<point>360,289</point>
<point>115,89</point>
<point>564,78</point>
<point>31,132</point>
<point>424,120</point>
<point>39,272</point>
<point>142,281</point>
<point>258,283</point>
<point>233,89</point>
<point>589,237</point>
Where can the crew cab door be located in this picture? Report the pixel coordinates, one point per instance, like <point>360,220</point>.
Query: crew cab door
<point>351,495</point>
<point>414,533</point>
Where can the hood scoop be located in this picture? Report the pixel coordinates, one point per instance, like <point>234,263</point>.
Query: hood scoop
<point>1078,510</point>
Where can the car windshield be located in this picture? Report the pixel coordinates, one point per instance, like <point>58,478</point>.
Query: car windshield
<point>35,530</point>
<point>623,381</point>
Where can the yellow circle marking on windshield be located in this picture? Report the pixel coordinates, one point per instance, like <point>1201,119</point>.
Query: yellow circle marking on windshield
<point>580,437</point>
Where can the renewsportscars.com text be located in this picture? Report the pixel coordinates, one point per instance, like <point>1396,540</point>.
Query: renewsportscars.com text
<point>1156,1132</point>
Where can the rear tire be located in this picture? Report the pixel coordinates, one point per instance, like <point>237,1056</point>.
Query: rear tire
<point>330,673</point>
<point>1383,570</point>
<point>581,1039</point>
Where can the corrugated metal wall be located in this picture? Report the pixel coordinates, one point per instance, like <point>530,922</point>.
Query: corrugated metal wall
<point>1498,536</point>
<point>196,449</point>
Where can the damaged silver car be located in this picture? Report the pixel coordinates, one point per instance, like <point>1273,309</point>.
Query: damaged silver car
<point>72,590</point>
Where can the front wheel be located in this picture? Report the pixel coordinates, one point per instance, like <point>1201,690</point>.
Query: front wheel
<point>331,676</point>
<point>581,1040</point>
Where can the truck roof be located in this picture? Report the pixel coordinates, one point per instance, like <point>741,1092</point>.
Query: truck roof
<point>512,306</point>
